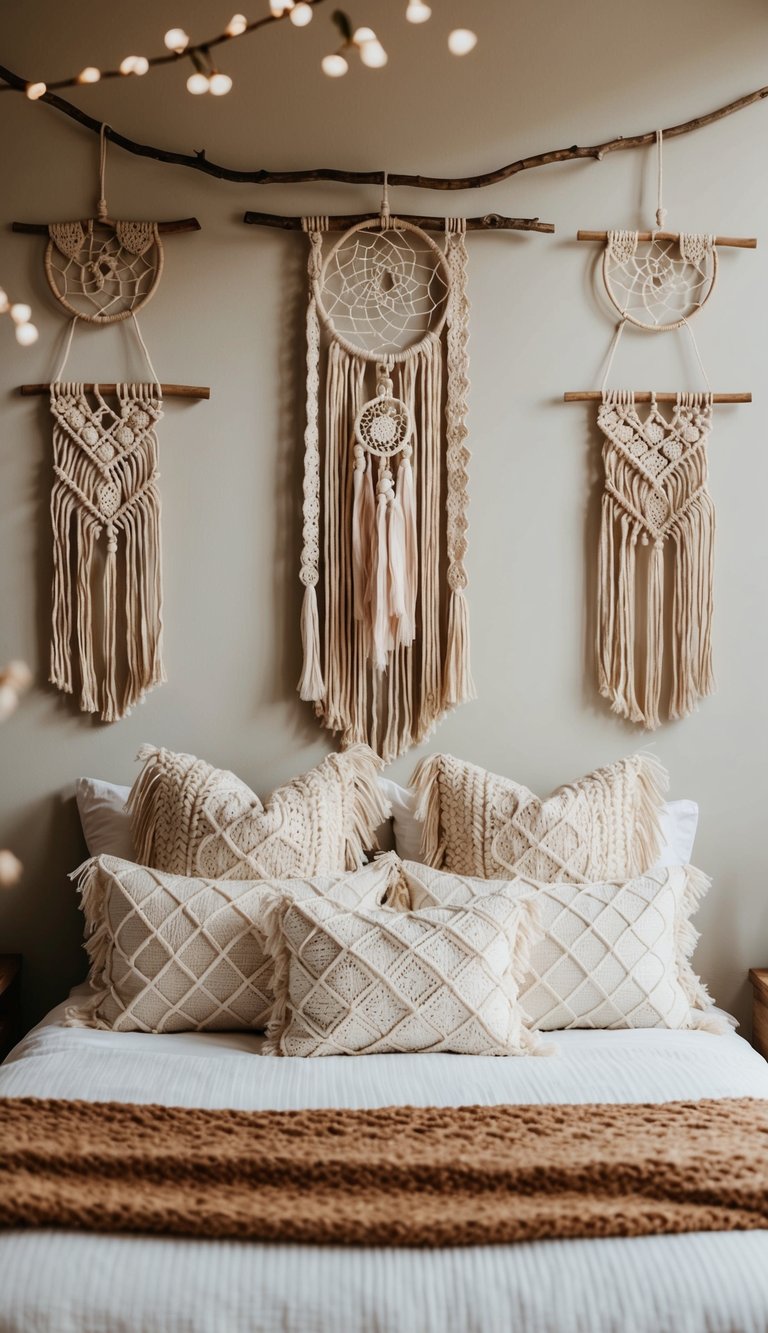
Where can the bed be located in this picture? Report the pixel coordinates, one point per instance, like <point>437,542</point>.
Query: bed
<point>81,1283</point>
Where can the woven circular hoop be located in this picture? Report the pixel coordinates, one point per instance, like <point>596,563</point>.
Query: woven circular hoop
<point>650,281</point>
<point>383,290</point>
<point>383,426</point>
<point>104,273</point>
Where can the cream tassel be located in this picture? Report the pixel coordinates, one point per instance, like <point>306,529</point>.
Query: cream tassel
<point>654,635</point>
<point>382,629</point>
<point>406,495</point>
<point>458,684</point>
<point>311,684</point>
<point>110,708</point>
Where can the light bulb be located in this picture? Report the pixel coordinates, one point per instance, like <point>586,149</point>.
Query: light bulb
<point>280,7</point>
<point>9,700</point>
<point>134,65</point>
<point>89,75</point>
<point>20,313</point>
<point>26,334</point>
<point>373,55</point>
<point>301,14</point>
<point>3,301</point>
<point>236,26</point>
<point>219,84</point>
<point>197,83</point>
<point>18,675</point>
<point>35,90</point>
<point>461,41</point>
<point>10,869</point>
<point>363,35</point>
<point>334,66</point>
<point>417,12</point>
<point>176,39</point>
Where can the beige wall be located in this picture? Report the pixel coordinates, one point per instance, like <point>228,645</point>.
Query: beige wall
<point>228,313</point>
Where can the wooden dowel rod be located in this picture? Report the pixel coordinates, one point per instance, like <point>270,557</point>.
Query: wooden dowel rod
<point>736,242</point>
<point>167,390</point>
<point>41,228</point>
<point>488,222</point>
<point>645,396</point>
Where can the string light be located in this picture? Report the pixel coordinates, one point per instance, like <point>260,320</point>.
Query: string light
<point>26,334</point>
<point>461,41</point>
<point>301,14</point>
<point>364,40</point>
<point>176,39</point>
<point>236,26</point>
<point>89,75</point>
<point>10,869</point>
<point>417,12</point>
<point>219,84</point>
<point>134,65</point>
<point>20,313</point>
<point>373,55</point>
<point>334,65</point>
<point>198,83</point>
<point>35,90</point>
<point>280,7</point>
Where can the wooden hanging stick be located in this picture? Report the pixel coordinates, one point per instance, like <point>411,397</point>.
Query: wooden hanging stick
<point>737,242</point>
<point>41,228</point>
<point>167,390</point>
<point>645,396</point>
<point>488,222</point>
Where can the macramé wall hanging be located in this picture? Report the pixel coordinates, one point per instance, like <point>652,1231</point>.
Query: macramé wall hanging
<point>105,504</point>
<point>658,521</point>
<point>385,481</point>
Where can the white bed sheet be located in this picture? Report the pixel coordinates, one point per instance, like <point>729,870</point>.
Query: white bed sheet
<point>77,1283</point>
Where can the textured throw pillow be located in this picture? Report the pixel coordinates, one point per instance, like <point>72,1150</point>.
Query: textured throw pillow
<point>172,954</point>
<point>374,980</point>
<point>105,818</point>
<point>192,819</point>
<point>605,826</point>
<point>610,956</point>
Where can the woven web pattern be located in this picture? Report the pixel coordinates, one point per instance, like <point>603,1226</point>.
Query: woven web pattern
<point>659,283</point>
<point>383,291</point>
<point>103,274</point>
<point>377,981</point>
<point>180,954</point>
<point>611,955</point>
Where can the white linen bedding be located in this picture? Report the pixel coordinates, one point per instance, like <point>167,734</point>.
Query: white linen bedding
<point>65,1282</point>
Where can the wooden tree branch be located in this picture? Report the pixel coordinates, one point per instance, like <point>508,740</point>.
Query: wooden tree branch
<point>199,161</point>
<point>41,228</point>
<point>200,391</point>
<point>341,222</point>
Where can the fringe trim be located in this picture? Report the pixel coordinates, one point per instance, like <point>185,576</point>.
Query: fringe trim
<point>653,784</point>
<point>90,881</point>
<point>276,949</point>
<point>371,808</point>
<point>696,885</point>
<point>142,806</point>
<point>425,784</point>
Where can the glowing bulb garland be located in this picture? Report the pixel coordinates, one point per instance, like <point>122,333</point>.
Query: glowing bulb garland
<point>301,14</point>
<point>176,39</point>
<point>417,12</point>
<point>461,41</point>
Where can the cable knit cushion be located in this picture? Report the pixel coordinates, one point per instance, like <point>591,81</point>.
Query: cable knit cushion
<point>375,980</point>
<point>192,819</point>
<point>605,826</point>
<point>172,954</point>
<point>611,955</point>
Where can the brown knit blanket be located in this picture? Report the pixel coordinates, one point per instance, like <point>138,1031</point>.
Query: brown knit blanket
<point>472,1175</point>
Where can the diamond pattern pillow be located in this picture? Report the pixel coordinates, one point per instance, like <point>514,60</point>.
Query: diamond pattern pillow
<point>173,954</point>
<point>192,819</point>
<point>605,826</point>
<point>374,980</point>
<point>611,955</point>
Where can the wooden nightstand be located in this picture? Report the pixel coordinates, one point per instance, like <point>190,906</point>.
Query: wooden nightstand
<point>759,978</point>
<point>10,1001</point>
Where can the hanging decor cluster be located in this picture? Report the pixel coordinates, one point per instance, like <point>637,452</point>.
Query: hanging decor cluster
<point>385,481</point>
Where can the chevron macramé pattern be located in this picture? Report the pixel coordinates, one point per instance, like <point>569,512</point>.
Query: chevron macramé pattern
<point>611,955</point>
<point>192,819</point>
<point>605,826</point>
<point>374,980</point>
<point>172,954</point>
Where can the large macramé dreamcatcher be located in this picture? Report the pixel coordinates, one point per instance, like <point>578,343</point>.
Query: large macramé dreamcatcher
<point>105,503</point>
<point>658,519</point>
<point>385,481</point>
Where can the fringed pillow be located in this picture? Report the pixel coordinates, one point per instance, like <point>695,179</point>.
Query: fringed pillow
<point>610,956</point>
<point>605,826</point>
<point>192,819</point>
<point>369,981</point>
<point>174,954</point>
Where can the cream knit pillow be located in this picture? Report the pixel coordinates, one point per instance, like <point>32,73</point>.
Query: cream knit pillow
<point>172,954</point>
<point>610,956</point>
<point>192,819</point>
<point>605,826</point>
<point>371,980</point>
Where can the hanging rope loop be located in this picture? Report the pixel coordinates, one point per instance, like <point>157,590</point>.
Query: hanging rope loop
<point>661,212</point>
<point>101,207</point>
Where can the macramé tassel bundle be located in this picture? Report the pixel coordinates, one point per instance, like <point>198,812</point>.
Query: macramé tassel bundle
<point>655,501</point>
<point>390,655</point>
<point>105,512</point>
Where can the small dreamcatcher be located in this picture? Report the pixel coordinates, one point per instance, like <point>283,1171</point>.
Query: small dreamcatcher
<point>661,283</point>
<point>391,660</point>
<point>101,270</point>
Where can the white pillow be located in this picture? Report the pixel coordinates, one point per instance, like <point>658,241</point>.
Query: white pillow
<point>678,821</point>
<point>611,956</point>
<point>105,820</point>
<point>368,981</point>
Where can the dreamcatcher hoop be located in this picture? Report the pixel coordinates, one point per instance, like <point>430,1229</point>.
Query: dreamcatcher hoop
<point>384,425</point>
<point>101,271</point>
<point>373,286</point>
<point>648,278</point>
